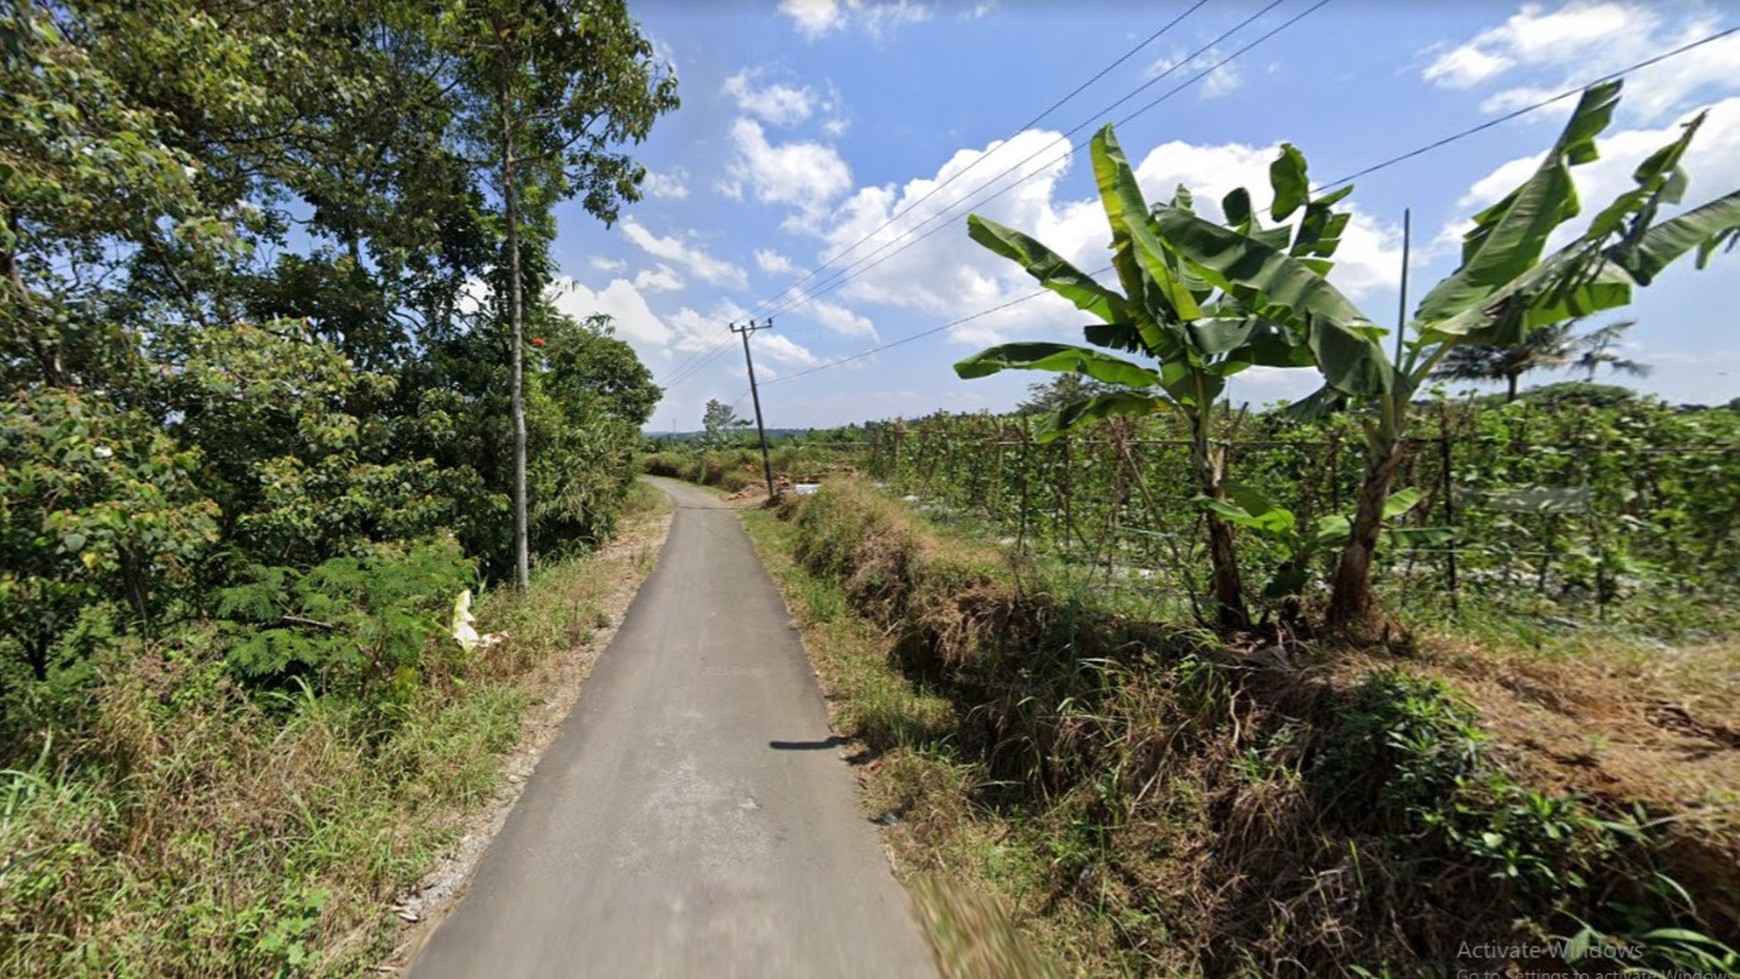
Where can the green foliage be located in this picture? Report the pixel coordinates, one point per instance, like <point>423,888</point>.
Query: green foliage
<point>237,249</point>
<point>1199,326</point>
<point>252,430</point>
<point>354,625</point>
<point>1576,505</point>
<point>1402,746</point>
<point>720,424</point>
<point>98,510</point>
<point>1505,288</point>
<point>1406,754</point>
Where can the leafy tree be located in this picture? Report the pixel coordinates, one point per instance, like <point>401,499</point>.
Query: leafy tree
<point>718,421</point>
<point>84,172</point>
<point>238,246</point>
<point>1065,389</point>
<point>1506,287</point>
<point>588,366</point>
<point>1555,346</point>
<point>554,86</point>
<point>1595,350</point>
<point>97,505</point>
<point>1198,335</point>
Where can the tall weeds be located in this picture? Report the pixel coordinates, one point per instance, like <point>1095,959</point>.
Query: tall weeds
<point>1158,804</point>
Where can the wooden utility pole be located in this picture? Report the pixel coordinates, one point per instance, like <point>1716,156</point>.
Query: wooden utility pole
<point>760,430</point>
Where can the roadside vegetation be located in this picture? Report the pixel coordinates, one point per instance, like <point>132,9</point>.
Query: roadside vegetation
<point>726,456</point>
<point>1379,683</point>
<point>274,320</point>
<point>1141,797</point>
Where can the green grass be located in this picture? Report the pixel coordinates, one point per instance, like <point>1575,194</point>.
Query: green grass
<point>1128,798</point>
<point>904,729</point>
<point>197,830</point>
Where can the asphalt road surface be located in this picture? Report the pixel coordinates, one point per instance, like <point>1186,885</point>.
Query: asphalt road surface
<point>694,817</point>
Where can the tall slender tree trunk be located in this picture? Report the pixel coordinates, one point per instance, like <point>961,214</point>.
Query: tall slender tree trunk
<point>1350,604</point>
<point>516,316</point>
<point>1510,387</point>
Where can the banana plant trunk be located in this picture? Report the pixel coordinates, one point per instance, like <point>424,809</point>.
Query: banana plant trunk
<point>1350,602</point>
<point>1225,583</point>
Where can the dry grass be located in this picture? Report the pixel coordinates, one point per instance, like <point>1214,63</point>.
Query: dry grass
<point>199,830</point>
<point>1144,801</point>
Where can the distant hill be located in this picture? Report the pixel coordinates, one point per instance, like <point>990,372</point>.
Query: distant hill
<point>772,433</point>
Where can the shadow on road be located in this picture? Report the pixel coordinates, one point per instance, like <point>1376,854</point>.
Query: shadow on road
<point>833,742</point>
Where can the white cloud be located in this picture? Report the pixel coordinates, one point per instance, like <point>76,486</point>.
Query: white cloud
<point>1222,80</point>
<point>619,300</point>
<point>712,270</point>
<point>807,176</point>
<point>773,263</point>
<point>673,185</point>
<point>729,188</point>
<point>661,278</point>
<point>1564,47</point>
<point>947,276</point>
<point>839,319</point>
<point>604,264</point>
<point>785,350</point>
<point>1465,67</point>
<point>880,19</point>
<point>776,103</point>
<point>814,18</point>
<point>697,331</point>
<point>834,107</point>
<point>817,18</point>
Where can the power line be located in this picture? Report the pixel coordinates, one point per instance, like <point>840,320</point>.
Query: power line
<point>839,278</point>
<point>918,336</point>
<point>681,368</point>
<point>963,172</point>
<point>1525,110</point>
<point>692,364</point>
<point>1368,170</point>
<point>695,362</point>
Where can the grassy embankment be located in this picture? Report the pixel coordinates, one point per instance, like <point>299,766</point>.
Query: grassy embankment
<point>733,469</point>
<point>1128,797</point>
<point>196,830</point>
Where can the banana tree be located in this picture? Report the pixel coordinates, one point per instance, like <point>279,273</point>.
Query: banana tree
<point>1505,287</point>
<point>1196,335</point>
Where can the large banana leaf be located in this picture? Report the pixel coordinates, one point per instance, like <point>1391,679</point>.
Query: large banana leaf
<point>1048,267</point>
<point>1065,357</point>
<point>1578,280</point>
<point>1126,337</point>
<point>1319,404</point>
<point>1659,181</point>
<point>1287,177</point>
<point>1703,228</point>
<point>1509,237</point>
<point>1053,424</point>
<point>1284,289</point>
<point>1321,227</point>
<point>1133,240</point>
<point>1118,215</point>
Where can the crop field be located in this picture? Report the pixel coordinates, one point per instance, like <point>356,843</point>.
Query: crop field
<point>1557,511</point>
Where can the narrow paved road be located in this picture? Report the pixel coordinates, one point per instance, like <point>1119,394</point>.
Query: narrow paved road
<point>693,818</point>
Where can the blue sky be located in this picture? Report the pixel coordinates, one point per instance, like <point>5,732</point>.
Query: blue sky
<point>807,124</point>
